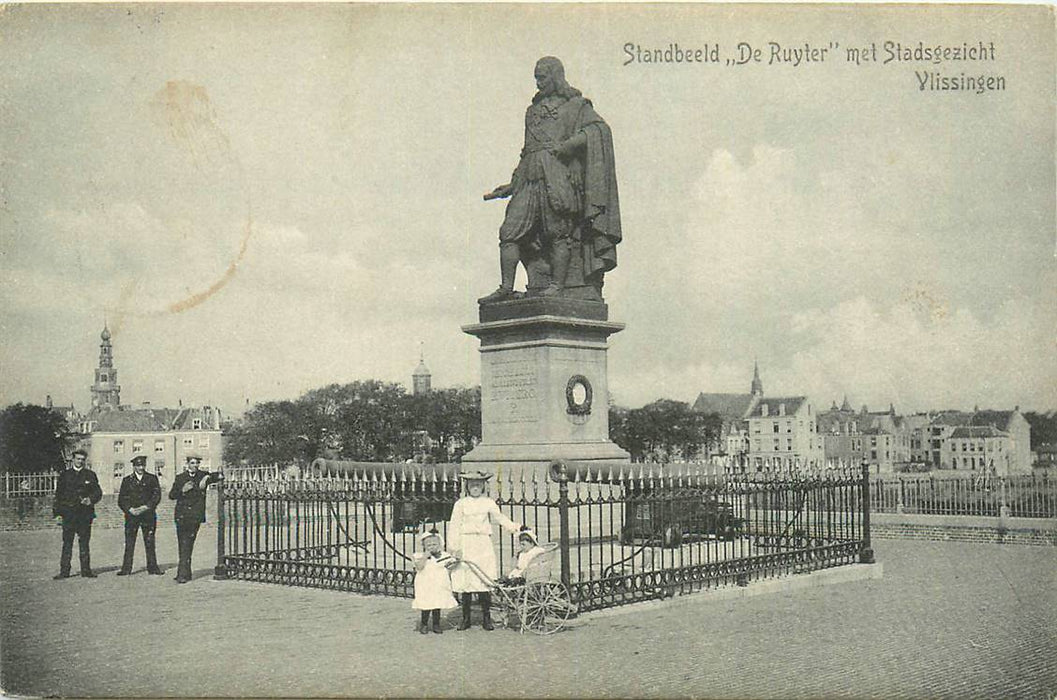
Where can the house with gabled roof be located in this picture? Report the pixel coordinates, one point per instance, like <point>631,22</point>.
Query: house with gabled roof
<point>783,433</point>
<point>115,432</point>
<point>733,410</point>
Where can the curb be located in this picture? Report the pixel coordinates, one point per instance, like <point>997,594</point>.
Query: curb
<point>825,577</point>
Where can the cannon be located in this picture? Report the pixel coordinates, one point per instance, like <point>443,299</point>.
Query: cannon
<point>418,493</point>
<point>663,503</point>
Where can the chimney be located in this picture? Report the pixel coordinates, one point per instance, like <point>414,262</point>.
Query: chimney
<point>47,401</point>
<point>763,409</point>
<point>781,409</point>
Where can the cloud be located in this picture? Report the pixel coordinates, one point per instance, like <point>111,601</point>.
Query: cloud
<point>918,359</point>
<point>798,264</point>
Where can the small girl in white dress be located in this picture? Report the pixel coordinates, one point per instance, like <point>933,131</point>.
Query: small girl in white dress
<point>432,581</point>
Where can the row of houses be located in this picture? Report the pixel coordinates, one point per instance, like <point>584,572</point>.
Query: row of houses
<point>789,431</point>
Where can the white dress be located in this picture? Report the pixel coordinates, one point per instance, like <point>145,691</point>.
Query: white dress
<point>524,559</point>
<point>433,583</point>
<point>470,530</point>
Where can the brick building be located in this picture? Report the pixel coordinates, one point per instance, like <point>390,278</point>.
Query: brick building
<point>115,433</point>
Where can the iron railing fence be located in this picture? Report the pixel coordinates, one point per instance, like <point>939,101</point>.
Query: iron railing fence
<point>1018,496</point>
<point>625,534</point>
<point>27,484</point>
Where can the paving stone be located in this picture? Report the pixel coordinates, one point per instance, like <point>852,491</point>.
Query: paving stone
<point>948,620</point>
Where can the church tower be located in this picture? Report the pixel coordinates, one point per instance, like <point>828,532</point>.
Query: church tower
<point>421,378</point>
<point>757,385</point>
<point>106,393</point>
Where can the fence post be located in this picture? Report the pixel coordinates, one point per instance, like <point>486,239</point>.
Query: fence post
<point>866,553</point>
<point>558,471</point>
<point>1003,508</point>
<point>220,572</point>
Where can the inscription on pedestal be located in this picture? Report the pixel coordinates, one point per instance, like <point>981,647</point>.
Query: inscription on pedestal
<point>513,396</point>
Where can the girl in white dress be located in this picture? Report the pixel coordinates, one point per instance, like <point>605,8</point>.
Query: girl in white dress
<point>432,581</point>
<point>470,535</point>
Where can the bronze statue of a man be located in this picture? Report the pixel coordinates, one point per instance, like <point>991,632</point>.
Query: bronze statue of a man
<point>563,219</point>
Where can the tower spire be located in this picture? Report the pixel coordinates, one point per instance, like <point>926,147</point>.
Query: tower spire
<point>106,393</point>
<point>421,378</point>
<point>757,385</point>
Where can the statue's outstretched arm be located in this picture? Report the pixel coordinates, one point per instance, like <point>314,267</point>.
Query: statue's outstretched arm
<point>501,192</point>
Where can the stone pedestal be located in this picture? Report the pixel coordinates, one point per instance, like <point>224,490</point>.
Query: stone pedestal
<point>544,388</point>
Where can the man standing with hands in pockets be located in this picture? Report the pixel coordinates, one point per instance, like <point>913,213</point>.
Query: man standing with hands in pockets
<point>189,492</point>
<point>76,494</point>
<point>139,498</point>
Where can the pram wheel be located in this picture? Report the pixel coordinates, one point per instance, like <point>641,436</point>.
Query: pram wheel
<point>547,606</point>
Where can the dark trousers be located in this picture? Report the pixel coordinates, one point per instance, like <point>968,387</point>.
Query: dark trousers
<point>83,530</point>
<point>132,529</point>
<point>185,538</point>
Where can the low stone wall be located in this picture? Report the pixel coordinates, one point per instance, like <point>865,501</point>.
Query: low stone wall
<point>34,513</point>
<point>964,528</point>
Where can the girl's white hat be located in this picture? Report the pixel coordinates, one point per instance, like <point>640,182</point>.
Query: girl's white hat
<point>526,531</point>
<point>422,537</point>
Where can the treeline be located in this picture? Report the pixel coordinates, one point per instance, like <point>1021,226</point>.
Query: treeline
<point>368,421</point>
<point>1043,428</point>
<point>33,439</point>
<point>664,430</point>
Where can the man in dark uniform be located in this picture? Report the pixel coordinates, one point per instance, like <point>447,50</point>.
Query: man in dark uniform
<point>189,492</point>
<point>139,498</point>
<point>76,494</point>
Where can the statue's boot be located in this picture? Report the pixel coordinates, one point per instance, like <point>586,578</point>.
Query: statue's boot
<point>552,290</point>
<point>501,294</point>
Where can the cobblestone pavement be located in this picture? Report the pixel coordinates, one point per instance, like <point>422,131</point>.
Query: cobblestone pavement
<point>948,620</point>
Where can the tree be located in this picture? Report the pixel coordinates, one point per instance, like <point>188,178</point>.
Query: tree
<point>1043,428</point>
<point>370,421</point>
<point>33,439</point>
<point>270,432</point>
<point>665,430</point>
<point>451,417</point>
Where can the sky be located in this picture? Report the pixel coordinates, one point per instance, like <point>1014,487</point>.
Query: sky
<point>260,201</point>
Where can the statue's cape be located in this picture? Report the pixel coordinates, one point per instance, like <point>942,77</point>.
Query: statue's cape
<point>601,231</point>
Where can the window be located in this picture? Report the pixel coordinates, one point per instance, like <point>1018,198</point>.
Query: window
<point>159,446</point>
<point>137,446</point>
<point>203,441</point>
<point>873,455</point>
<point>776,444</point>
<point>159,465</point>
<point>789,444</point>
<point>954,462</point>
<point>789,426</point>
<point>775,426</point>
<point>119,446</point>
<point>119,469</point>
<point>196,424</point>
<point>189,442</point>
<point>103,377</point>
